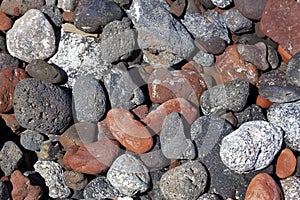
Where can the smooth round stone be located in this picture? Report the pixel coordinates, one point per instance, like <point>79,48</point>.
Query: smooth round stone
<point>273,77</point>
<point>176,183</point>
<point>286,163</point>
<point>291,188</point>
<point>293,70</point>
<point>11,157</point>
<point>236,22</point>
<point>251,9</point>
<point>42,106</point>
<point>251,147</point>
<point>129,175</point>
<point>75,180</point>
<point>31,140</point>
<point>278,94</point>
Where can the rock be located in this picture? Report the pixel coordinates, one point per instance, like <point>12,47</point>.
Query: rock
<point>12,123</point>
<point>4,193</point>
<point>251,147</point>
<point>9,78</point>
<point>286,164</point>
<point>7,61</point>
<point>67,5</point>
<point>278,94</point>
<point>251,9</point>
<point>131,133</point>
<point>263,102</point>
<point>53,176</point>
<point>178,7</point>
<point>176,183</point>
<point>213,45</point>
<point>163,39</point>
<point>42,106</point>
<point>209,196</point>
<point>39,42</point>
<point>250,113</point>
<point>5,22</point>
<point>293,70</point>
<point>174,143</point>
<point>31,140</point>
<point>41,70</point>
<point>92,16</point>
<point>291,187</point>
<point>48,151</point>
<point>141,111</point>
<point>204,59</point>
<point>274,77</point>
<point>287,117</point>
<point>75,180</point>
<point>129,175</point>
<point>236,22</point>
<point>68,16</point>
<point>125,4</point>
<point>221,98</point>
<point>230,66</point>
<point>23,188</point>
<point>54,14</point>
<point>221,3</point>
<point>155,118</point>
<point>10,157</point>
<point>263,186</point>
<point>20,7</point>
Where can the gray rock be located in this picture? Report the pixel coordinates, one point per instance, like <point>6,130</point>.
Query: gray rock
<point>213,45</point>
<point>10,157</point>
<point>8,6</point>
<point>118,41</point>
<point>79,55</point>
<point>229,96</point>
<point>221,3</point>
<point>54,14</point>
<point>67,5</point>
<point>155,192</point>
<point>53,175</point>
<point>207,4</point>
<point>31,37</point>
<point>187,181</point>
<point>236,22</point>
<point>123,3</point>
<point>286,116</point>
<point>31,140</point>
<point>273,77</point>
<point>209,196</point>
<point>2,44</point>
<point>163,39</point>
<point>122,91</point>
<point>4,192</point>
<point>42,106</point>
<point>273,57</point>
<point>278,94</point>
<point>174,144</point>
<point>204,59</point>
<point>100,187</point>
<point>89,100</point>
<point>251,147</point>
<point>251,9</point>
<point>291,188</point>
<point>129,175</point>
<point>293,70</point>
<point>51,2</point>
<point>250,113</point>
<point>6,61</point>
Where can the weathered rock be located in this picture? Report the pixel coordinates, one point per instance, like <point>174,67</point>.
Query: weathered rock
<point>31,140</point>
<point>251,9</point>
<point>236,22</point>
<point>286,163</point>
<point>293,70</point>
<point>204,59</point>
<point>20,7</point>
<point>291,188</point>
<point>278,94</point>
<point>75,180</point>
<point>10,157</point>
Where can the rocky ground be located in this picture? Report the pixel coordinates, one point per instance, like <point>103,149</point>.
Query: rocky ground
<point>150,99</point>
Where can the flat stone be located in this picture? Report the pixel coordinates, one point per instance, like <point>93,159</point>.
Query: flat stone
<point>293,70</point>
<point>10,157</point>
<point>251,9</point>
<point>75,180</point>
<point>291,188</point>
<point>31,140</point>
<point>5,22</point>
<point>7,61</point>
<point>236,22</point>
<point>286,164</point>
<point>20,7</point>
<point>278,94</point>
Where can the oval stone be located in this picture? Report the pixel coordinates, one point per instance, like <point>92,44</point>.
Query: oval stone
<point>286,164</point>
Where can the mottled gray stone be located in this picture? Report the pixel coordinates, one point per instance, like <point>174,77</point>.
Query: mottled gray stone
<point>286,116</point>
<point>221,3</point>
<point>229,96</point>
<point>187,181</point>
<point>251,147</point>
<point>10,157</point>
<point>209,196</point>
<point>236,22</point>
<point>123,3</point>
<point>250,113</point>
<point>273,77</point>
<point>39,40</point>
<point>31,140</point>
<point>293,70</point>
<point>204,59</point>
<point>6,61</point>
<point>89,100</point>
<point>52,173</point>
<point>4,192</point>
<point>67,5</point>
<point>278,94</point>
<point>291,188</point>
<point>54,14</point>
<point>129,175</point>
<point>174,144</point>
<point>42,106</point>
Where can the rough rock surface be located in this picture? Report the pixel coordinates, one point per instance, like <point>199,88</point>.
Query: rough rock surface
<point>236,22</point>
<point>291,188</point>
<point>20,7</point>
<point>293,70</point>
<point>31,140</point>
<point>10,157</point>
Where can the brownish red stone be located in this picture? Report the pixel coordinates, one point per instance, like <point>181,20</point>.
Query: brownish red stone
<point>68,16</point>
<point>11,122</point>
<point>286,163</point>
<point>141,111</point>
<point>5,22</point>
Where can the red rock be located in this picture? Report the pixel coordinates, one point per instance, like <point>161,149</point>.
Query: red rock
<point>141,111</point>
<point>11,122</point>
<point>23,189</point>
<point>280,22</point>
<point>263,102</point>
<point>68,16</point>
<point>231,66</point>
<point>286,164</point>
<point>263,186</point>
<point>132,134</point>
<point>155,118</point>
<point>5,22</point>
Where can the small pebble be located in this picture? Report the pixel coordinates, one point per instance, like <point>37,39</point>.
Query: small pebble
<point>286,164</point>
<point>291,188</point>
<point>68,16</point>
<point>48,151</point>
<point>53,12</point>
<point>75,180</point>
<point>263,102</point>
<point>204,59</point>
<point>214,45</point>
<point>178,7</point>
<point>236,22</point>
<point>11,157</point>
<point>31,140</point>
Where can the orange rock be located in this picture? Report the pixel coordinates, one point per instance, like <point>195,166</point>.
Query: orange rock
<point>263,187</point>
<point>131,133</point>
<point>263,102</point>
<point>286,164</point>
<point>5,22</point>
<point>284,54</point>
<point>68,16</point>
<point>174,163</point>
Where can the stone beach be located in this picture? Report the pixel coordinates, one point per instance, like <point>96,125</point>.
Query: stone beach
<point>149,100</point>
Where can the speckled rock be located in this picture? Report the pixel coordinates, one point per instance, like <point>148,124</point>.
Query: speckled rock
<point>129,175</point>
<point>209,196</point>
<point>42,106</point>
<point>75,180</point>
<point>31,140</point>
<point>251,147</point>
<point>291,188</point>
<point>293,70</point>
<point>6,60</point>
<point>286,163</point>
<point>54,14</point>
<point>10,157</point>
<point>287,117</point>
<point>221,3</point>
<point>251,9</point>
<point>67,5</point>
<point>53,175</point>
<point>278,94</point>
<point>204,59</point>
<point>48,151</point>
<point>236,22</point>
<point>39,42</point>
<point>273,77</point>
<point>20,7</point>
<point>250,113</point>
<point>176,183</point>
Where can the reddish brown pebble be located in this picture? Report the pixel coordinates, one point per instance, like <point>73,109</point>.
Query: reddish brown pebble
<point>5,22</point>
<point>68,16</point>
<point>11,122</point>
<point>286,164</point>
<point>263,102</point>
<point>23,189</point>
<point>262,186</point>
<point>132,134</point>
<point>156,117</point>
<point>174,163</point>
<point>141,111</point>
<point>178,7</point>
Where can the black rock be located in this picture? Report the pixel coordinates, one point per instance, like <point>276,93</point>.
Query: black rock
<point>4,191</point>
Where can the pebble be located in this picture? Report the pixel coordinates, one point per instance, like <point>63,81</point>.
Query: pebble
<point>75,180</point>
<point>263,186</point>
<point>251,147</point>
<point>129,175</point>
<point>278,94</point>
<point>54,14</point>
<point>286,164</point>
<point>22,188</point>
<point>9,78</point>
<point>286,116</point>
<point>178,7</point>
<point>20,7</point>
<point>11,157</point>
<point>274,77</point>
<point>229,96</point>
<point>31,140</point>
<point>12,123</point>
<point>263,102</point>
<point>221,3</point>
<point>68,16</point>
<point>7,61</point>
<point>5,22</point>
<point>48,151</point>
<point>209,196</point>
<point>251,9</point>
<point>39,42</point>
<point>41,70</point>
<point>92,16</point>
<point>67,5</point>
<point>293,70</point>
<point>187,181</point>
<point>204,59</point>
<point>141,111</point>
<point>42,106</point>
<point>52,173</point>
<point>174,144</point>
<point>291,188</point>
<point>250,113</point>
<point>236,22</point>
<point>132,134</point>
<point>214,45</point>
